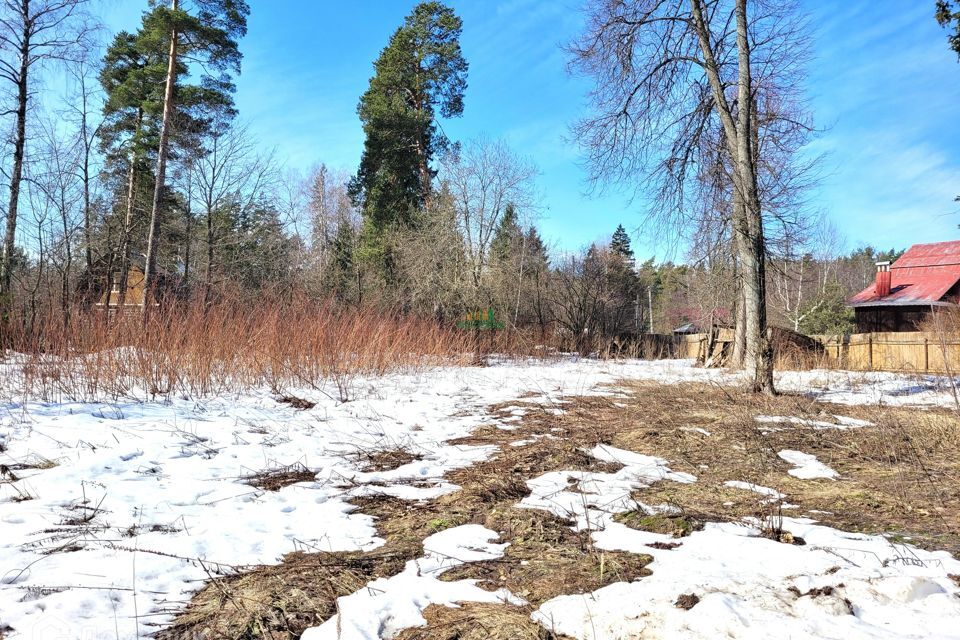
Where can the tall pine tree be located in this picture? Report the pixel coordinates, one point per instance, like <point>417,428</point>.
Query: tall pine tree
<point>204,32</point>
<point>420,75</point>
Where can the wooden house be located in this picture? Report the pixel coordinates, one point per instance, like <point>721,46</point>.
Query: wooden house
<point>904,293</point>
<point>135,292</point>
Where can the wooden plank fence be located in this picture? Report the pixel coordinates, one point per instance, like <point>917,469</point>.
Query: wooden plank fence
<point>915,352</point>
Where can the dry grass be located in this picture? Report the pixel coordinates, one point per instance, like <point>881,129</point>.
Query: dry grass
<point>235,345</point>
<point>545,558</point>
<point>277,478</point>
<point>279,601</point>
<point>477,621</point>
<point>900,477</point>
<point>196,351</point>
<point>385,459</point>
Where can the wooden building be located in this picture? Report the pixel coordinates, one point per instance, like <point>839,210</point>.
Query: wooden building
<point>904,293</point>
<point>132,299</point>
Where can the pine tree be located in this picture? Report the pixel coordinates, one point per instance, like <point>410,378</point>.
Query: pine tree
<point>208,36</point>
<point>420,75</point>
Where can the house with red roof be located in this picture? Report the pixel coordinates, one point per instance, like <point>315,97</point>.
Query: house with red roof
<point>926,277</point>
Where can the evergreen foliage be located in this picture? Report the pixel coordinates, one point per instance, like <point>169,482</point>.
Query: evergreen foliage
<point>421,74</point>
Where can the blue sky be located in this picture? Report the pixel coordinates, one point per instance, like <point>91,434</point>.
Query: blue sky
<point>884,88</point>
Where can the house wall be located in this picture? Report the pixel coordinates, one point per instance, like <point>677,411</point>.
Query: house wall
<point>135,290</point>
<point>889,319</point>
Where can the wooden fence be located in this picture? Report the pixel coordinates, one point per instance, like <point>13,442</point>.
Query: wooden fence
<point>916,351</point>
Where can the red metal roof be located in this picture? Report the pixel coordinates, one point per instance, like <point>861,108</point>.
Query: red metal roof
<point>922,276</point>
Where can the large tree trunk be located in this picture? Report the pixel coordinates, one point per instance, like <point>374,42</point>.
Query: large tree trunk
<point>752,250</point>
<point>748,217</point>
<point>149,273</point>
<point>16,172</point>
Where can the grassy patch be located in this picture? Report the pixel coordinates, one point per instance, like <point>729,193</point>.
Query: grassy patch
<point>677,526</point>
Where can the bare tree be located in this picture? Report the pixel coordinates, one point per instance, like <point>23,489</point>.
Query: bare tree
<point>483,177</point>
<point>801,277</point>
<point>58,183</point>
<point>675,82</point>
<point>232,173</point>
<point>32,32</point>
<point>85,109</point>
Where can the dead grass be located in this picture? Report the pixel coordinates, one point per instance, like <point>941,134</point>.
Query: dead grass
<point>277,478</point>
<point>900,477</point>
<point>545,558</point>
<point>279,601</point>
<point>296,402</point>
<point>196,350</point>
<point>386,459</point>
<point>477,621</point>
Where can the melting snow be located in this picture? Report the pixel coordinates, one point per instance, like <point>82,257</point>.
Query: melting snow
<point>388,605</point>
<point>773,494</point>
<point>142,492</point>
<point>806,466</point>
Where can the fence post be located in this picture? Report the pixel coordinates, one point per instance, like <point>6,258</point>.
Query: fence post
<point>870,352</point>
<point>926,355</point>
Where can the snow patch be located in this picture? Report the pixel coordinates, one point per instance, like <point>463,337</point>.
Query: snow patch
<point>806,466</point>
<point>772,494</point>
<point>386,606</point>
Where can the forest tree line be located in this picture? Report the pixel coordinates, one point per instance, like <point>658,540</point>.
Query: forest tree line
<point>145,162</point>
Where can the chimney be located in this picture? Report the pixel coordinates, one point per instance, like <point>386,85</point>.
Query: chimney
<point>882,288</point>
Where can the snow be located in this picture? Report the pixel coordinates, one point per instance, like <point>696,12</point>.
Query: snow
<point>588,498</point>
<point>842,422</point>
<point>159,486</point>
<point>389,605</point>
<point>748,486</point>
<point>744,585</point>
<point>135,501</point>
<point>806,466</point>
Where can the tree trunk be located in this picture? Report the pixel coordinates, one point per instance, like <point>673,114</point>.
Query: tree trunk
<point>740,322</point>
<point>149,273</point>
<point>87,222</point>
<point>65,296</point>
<point>752,252</point>
<point>16,173</point>
<point>128,222</point>
<point>748,217</point>
<point>186,249</point>
<point>208,272</point>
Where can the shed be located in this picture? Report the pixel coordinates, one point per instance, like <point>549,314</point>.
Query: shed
<point>926,277</point>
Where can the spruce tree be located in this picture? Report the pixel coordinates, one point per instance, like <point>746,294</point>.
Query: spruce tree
<point>620,244</point>
<point>507,238</point>
<point>624,285</point>
<point>420,75</point>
